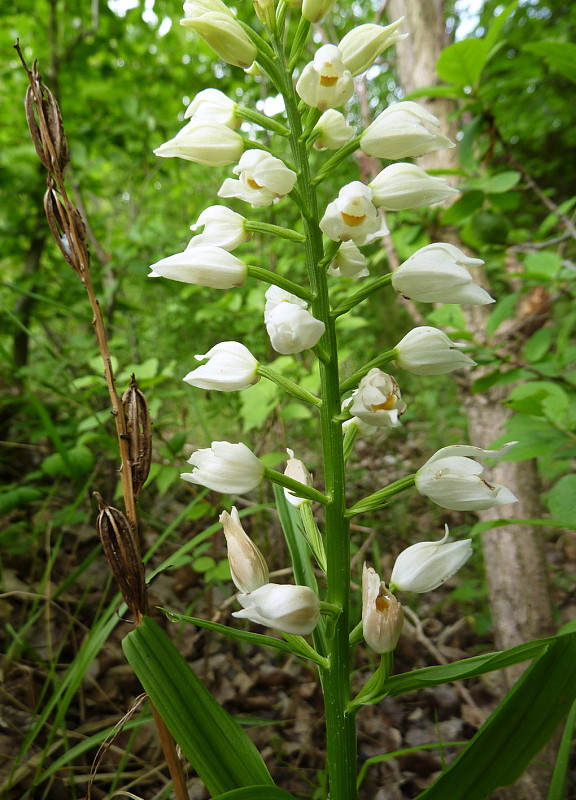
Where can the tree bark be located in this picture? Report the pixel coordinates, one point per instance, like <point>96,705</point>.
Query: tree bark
<point>514,556</point>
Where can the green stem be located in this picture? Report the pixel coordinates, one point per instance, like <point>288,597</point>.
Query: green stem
<point>373,689</point>
<point>288,385</point>
<point>340,725</point>
<point>381,497</point>
<point>329,166</point>
<point>361,295</point>
<point>299,489</point>
<point>278,280</point>
<point>274,230</point>
<point>299,42</point>
<point>262,120</point>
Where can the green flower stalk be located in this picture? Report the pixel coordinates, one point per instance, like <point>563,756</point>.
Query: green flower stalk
<point>300,318</point>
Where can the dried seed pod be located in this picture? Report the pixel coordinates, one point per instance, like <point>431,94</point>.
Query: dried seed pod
<point>47,131</point>
<point>123,555</point>
<point>67,228</point>
<point>138,430</point>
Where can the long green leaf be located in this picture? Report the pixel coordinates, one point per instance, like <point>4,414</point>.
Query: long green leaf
<point>219,750</point>
<point>256,793</point>
<point>467,668</point>
<point>258,639</point>
<point>300,555</point>
<point>297,545</point>
<point>558,782</point>
<point>518,729</point>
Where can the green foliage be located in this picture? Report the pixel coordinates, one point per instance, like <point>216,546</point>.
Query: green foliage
<point>123,90</point>
<point>518,729</point>
<point>197,722</point>
<point>499,209</point>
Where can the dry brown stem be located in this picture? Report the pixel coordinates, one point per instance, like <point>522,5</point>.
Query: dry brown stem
<point>118,532</point>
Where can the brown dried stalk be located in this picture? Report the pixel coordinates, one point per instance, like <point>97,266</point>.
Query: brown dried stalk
<point>49,138</point>
<point>118,532</point>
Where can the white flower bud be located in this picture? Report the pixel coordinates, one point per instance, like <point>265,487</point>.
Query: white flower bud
<point>296,469</point>
<point>428,351</point>
<point>291,609</point>
<point>314,10</point>
<point>223,34</point>
<point>263,179</point>
<point>222,227</point>
<point>377,400</point>
<point>265,12</point>
<point>425,566</point>
<point>382,614</point>
<point>207,143</point>
<point>403,131</point>
<point>230,367</point>
<point>362,45</point>
<point>353,216</point>
<point>227,468</point>
<point>438,273</point>
<point>452,479</point>
<point>275,295</point>
<point>325,82</point>
<point>333,131</point>
<point>247,565</point>
<point>196,8</point>
<point>292,329</point>
<point>402,186</point>
<point>212,105</point>
<point>205,265</point>
<point>349,262</point>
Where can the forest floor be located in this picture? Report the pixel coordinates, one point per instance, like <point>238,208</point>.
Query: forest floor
<point>278,698</point>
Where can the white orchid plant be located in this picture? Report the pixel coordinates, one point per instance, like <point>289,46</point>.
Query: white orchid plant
<point>296,318</point>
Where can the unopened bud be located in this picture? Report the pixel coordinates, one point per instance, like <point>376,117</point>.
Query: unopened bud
<point>247,565</point>
<point>382,614</point>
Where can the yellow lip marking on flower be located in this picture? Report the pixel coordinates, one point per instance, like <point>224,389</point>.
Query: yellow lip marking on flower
<point>387,405</point>
<point>351,220</point>
<point>328,80</point>
<point>252,183</point>
<point>382,603</point>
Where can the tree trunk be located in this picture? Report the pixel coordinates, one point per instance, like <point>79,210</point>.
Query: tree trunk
<point>514,555</point>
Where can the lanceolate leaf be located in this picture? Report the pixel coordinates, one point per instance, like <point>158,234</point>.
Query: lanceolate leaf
<point>467,668</point>
<point>295,645</point>
<point>256,793</point>
<point>216,746</point>
<point>516,731</point>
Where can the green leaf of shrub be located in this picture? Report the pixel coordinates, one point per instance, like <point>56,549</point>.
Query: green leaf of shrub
<point>561,56</point>
<point>495,184</point>
<point>80,459</point>
<point>462,62</point>
<point>214,743</point>
<point>20,496</point>
<point>560,501</point>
